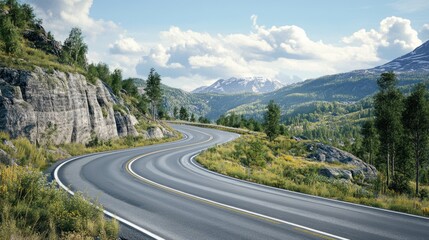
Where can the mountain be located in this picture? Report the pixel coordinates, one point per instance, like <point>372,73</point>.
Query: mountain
<point>349,87</point>
<point>174,97</point>
<point>417,60</point>
<point>356,85</point>
<point>241,85</point>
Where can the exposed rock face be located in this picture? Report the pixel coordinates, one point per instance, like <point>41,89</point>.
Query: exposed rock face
<point>158,132</point>
<point>336,173</point>
<point>329,154</point>
<point>59,107</point>
<point>42,40</point>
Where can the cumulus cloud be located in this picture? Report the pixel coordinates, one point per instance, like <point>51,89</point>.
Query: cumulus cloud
<point>189,59</point>
<point>60,16</point>
<point>394,37</point>
<point>126,45</point>
<point>277,52</point>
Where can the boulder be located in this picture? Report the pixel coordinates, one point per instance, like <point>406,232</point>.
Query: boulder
<point>336,173</point>
<point>155,132</point>
<point>325,153</point>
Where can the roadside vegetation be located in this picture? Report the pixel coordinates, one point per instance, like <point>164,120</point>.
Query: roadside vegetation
<point>31,207</point>
<point>34,209</point>
<point>394,140</point>
<point>283,163</point>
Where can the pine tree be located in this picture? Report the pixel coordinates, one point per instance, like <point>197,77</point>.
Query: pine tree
<point>176,112</point>
<point>388,115</point>
<point>192,117</point>
<point>416,124</point>
<point>183,114</point>
<point>272,120</point>
<point>153,90</point>
<point>10,36</point>
<point>116,79</point>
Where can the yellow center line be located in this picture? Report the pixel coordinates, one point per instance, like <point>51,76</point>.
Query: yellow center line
<point>272,220</point>
<point>314,233</point>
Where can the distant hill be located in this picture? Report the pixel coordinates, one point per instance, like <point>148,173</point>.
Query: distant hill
<point>349,87</point>
<point>176,97</point>
<point>346,88</point>
<point>415,61</point>
<point>241,85</point>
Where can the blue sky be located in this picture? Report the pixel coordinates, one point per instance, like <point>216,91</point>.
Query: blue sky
<point>193,43</point>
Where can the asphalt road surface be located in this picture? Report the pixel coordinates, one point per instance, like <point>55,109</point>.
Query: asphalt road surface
<point>160,191</point>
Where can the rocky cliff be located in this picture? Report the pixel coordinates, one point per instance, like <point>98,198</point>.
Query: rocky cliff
<point>59,107</point>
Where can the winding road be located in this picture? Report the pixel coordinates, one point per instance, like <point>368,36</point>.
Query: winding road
<point>162,193</point>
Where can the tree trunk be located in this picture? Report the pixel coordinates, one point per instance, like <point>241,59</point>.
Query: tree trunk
<point>417,172</point>
<point>153,110</point>
<point>393,160</point>
<point>370,156</point>
<point>388,168</point>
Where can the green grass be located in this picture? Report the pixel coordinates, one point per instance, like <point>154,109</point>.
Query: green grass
<point>214,126</point>
<point>283,165</point>
<point>28,58</point>
<point>32,208</point>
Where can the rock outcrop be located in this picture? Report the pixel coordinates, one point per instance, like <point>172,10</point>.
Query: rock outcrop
<point>324,153</point>
<point>39,39</point>
<point>158,132</point>
<point>59,107</point>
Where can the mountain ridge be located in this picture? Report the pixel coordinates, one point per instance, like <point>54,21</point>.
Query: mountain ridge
<point>236,85</point>
<point>345,87</point>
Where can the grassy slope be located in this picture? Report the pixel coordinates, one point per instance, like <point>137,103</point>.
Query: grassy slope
<point>283,165</point>
<point>33,209</point>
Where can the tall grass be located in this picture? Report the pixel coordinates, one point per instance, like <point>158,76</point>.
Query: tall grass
<point>30,57</point>
<point>286,167</point>
<point>30,208</point>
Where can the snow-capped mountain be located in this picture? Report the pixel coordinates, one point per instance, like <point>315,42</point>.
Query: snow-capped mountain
<point>417,60</point>
<point>241,85</point>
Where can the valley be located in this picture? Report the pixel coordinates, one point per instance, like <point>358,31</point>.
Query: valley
<point>95,143</point>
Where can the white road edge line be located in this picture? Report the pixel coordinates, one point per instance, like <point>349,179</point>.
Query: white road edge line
<point>120,219</point>
<point>299,193</point>
<point>129,167</point>
<point>193,162</point>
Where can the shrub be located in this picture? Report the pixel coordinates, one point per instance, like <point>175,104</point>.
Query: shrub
<point>400,184</point>
<point>34,209</point>
<point>424,194</point>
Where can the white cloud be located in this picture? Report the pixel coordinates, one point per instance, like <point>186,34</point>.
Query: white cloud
<point>394,37</point>
<point>60,16</point>
<point>189,59</point>
<point>281,53</point>
<point>126,45</point>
